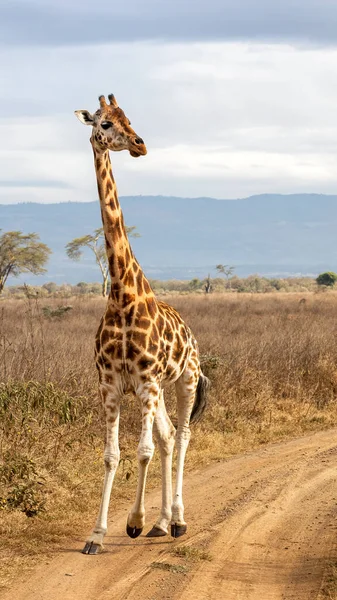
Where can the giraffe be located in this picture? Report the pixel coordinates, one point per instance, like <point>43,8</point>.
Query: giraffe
<point>142,344</point>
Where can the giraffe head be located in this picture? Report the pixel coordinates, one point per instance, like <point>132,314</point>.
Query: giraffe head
<point>111,129</point>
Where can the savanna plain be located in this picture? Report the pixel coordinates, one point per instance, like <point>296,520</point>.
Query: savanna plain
<point>272,362</point>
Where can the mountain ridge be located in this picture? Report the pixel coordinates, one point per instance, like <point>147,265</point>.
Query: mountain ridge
<point>269,234</point>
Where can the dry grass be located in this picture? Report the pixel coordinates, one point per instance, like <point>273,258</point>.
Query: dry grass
<point>272,361</point>
<point>191,553</point>
<point>329,587</point>
<point>173,568</point>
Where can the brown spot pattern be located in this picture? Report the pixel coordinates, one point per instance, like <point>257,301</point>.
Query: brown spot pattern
<point>138,334</point>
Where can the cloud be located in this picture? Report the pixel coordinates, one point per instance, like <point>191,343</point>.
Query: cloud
<point>59,22</point>
<point>34,184</point>
<point>219,119</point>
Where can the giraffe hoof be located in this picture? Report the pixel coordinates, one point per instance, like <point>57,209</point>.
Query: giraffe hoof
<point>133,532</point>
<point>178,530</point>
<point>156,532</point>
<point>92,548</point>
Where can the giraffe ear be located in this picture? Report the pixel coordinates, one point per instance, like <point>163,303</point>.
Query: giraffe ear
<point>85,117</point>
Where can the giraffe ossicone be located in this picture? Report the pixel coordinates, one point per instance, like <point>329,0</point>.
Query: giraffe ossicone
<point>142,344</point>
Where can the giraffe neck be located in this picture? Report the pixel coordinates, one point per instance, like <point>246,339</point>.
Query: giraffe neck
<point>127,278</point>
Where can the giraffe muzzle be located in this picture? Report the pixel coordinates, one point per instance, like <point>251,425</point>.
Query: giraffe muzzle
<point>137,148</point>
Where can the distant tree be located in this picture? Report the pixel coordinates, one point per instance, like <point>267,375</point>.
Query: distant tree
<point>21,253</point>
<point>51,287</point>
<point>226,270</point>
<point>328,279</point>
<point>96,243</point>
<point>82,287</point>
<point>194,284</point>
<point>208,284</point>
<point>276,283</point>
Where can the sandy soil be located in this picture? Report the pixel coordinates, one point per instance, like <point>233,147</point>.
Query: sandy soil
<point>267,518</point>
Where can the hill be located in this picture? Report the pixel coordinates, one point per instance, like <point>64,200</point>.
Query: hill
<point>182,238</point>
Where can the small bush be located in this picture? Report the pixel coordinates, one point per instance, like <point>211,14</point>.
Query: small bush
<point>22,484</point>
<point>26,404</point>
<point>328,279</point>
<point>29,498</point>
<point>58,312</point>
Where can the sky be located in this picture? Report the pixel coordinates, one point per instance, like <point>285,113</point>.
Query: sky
<point>232,97</point>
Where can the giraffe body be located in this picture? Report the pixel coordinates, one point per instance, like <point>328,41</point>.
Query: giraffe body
<point>141,345</point>
<point>145,342</point>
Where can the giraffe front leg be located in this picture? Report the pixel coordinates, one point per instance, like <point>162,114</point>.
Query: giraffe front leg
<point>149,395</point>
<point>111,401</point>
<point>165,433</point>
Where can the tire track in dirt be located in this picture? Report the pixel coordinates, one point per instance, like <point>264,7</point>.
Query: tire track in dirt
<point>268,519</point>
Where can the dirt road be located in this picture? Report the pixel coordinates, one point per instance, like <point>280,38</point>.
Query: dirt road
<point>267,520</point>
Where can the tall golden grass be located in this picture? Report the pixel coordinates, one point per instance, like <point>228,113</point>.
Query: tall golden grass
<point>271,360</point>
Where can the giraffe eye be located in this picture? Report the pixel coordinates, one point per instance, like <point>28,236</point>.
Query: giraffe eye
<point>106,124</point>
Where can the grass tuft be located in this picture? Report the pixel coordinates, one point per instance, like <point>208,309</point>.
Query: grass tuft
<point>164,566</point>
<point>191,553</point>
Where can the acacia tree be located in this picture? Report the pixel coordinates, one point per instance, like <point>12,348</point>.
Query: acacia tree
<point>225,270</point>
<point>96,243</point>
<point>328,279</point>
<point>21,253</point>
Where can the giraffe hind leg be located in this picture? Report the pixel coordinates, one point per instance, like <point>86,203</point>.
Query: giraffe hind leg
<point>164,432</point>
<point>186,389</point>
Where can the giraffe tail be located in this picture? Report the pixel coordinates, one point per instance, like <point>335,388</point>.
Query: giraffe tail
<point>200,399</point>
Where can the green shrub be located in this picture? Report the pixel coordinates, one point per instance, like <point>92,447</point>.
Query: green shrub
<point>328,279</point>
